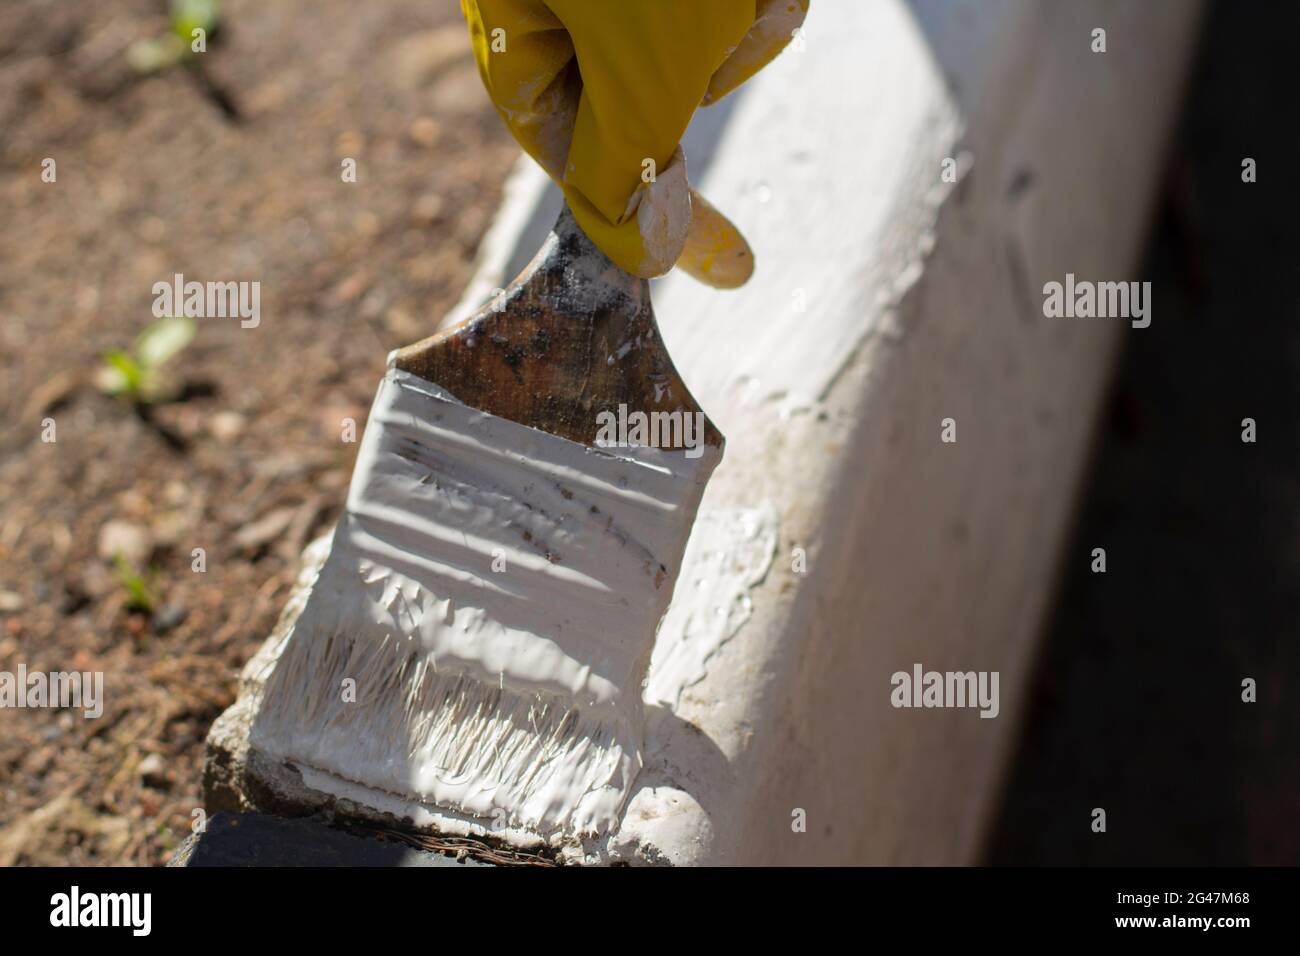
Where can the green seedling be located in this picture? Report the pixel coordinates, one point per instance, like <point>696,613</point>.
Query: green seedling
<point>135,375</point>
<point>139,589</point>
<point>191,23</point>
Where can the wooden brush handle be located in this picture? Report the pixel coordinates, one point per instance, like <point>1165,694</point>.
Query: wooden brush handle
<point>572,337</point>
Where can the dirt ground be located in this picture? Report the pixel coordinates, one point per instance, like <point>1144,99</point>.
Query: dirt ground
<point>228,174</point>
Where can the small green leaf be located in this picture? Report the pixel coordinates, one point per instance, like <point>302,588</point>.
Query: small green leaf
<point>162,340</point>
<point>120,374</point>
<point>140,596</point>
<point>191,15</point>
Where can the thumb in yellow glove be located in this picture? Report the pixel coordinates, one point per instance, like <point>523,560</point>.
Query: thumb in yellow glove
<point>599,93</point>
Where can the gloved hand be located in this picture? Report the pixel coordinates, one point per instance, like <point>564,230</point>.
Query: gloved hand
<point>599,92</point>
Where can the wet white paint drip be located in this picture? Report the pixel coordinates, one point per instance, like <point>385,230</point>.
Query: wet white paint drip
<point>729,554</point>
<point>513,693</point>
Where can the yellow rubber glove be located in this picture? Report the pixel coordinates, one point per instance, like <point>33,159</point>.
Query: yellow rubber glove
<point>599,92</point>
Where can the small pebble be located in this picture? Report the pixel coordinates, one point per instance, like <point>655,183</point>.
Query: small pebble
<point>152,771</point>
<point>168,617</point>
<point>226,426</point>
<point>424,131</point>
<point>129,540</point>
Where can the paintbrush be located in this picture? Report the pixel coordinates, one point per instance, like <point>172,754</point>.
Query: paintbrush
<point>477,640</point>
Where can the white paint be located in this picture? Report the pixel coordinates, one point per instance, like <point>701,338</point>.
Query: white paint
<point>482,691</point>
<point>663,215</point>
<point>921,305</point>
<point>730,552</point>
<point>841,140</point>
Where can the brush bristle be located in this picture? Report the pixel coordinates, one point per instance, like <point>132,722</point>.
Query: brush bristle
<point>444,737</point>
<point>513,697</point>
